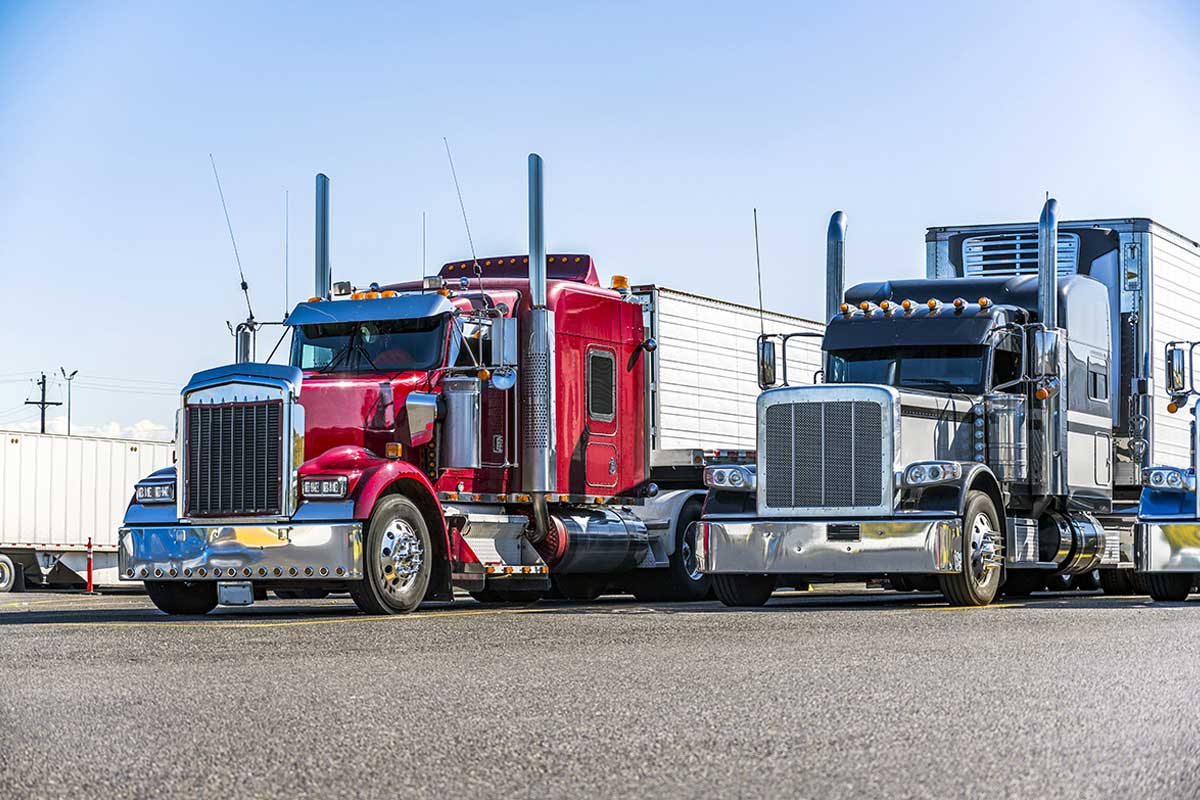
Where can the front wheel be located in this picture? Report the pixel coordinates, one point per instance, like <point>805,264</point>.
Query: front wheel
<point>396,559</point>
<point>8,574</point>
<point>183,597</point>
<point>744,591</point>
<point>1168,587</point>
<point>979,580</point>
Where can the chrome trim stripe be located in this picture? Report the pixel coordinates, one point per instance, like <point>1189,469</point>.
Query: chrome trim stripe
<point>1168,547</point>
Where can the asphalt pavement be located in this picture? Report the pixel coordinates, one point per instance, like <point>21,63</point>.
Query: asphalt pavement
<point>830,694</point>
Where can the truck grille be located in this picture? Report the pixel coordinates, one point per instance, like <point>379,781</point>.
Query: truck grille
<point>824,455</point>
<point>1015,253</point>
<point>233,459</point>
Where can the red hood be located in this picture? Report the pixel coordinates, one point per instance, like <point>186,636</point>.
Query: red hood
<point>355,409</point>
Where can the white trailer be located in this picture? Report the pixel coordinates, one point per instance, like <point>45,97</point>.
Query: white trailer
<point>56,493</point>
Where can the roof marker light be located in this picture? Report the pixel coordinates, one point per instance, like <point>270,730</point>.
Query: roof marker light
<point>984,302</point>
<point>315,299</point>
<point>389,293</point>
<point>885,305</point>
<point>620,282</point>
<point>907,305</point>
<point>959,304</point>
<point>357,296</point>
<point>845,309</point>
<point>932,303</point>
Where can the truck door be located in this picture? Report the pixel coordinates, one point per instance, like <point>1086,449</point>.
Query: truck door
<point>601,375</point>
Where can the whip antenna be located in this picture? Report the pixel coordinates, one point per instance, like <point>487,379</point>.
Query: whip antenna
<point>228,224</point>
<point>762,326</point>
<point>463,206</point>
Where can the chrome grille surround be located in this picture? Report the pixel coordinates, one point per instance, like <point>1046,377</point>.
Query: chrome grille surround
<point>248,414</point>
<point>827,450</point>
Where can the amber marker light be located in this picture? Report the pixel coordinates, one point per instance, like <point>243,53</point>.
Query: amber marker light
<point>984,302</point>
<point>907,305</point>
<point>959,304</point>
<point>1172,408</point>
<point>864,306</point>
<point>315,299</point>
<point>389,293</point>
<point>357,296</point>
<point>932,303</point>
<point>393,450</point>
<point>371,296</point>
<point>845,309</point>
<point>620,282</point>
<point>484,374</point>
<point>1042,393</point>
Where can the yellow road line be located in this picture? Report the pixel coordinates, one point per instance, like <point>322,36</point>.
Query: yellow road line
<point>65,599</point>
<point>215,623</point>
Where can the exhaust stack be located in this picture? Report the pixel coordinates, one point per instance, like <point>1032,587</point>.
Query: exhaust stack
<point>538,458</point>
<point>1048,264</point>
<point>835,264</point>
<point>324,276</point>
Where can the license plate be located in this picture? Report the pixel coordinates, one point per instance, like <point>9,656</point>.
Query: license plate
<point>235,593</point>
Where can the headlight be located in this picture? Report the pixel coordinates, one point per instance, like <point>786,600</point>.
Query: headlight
<point>926,473</point>
<point>147,493</point>
<point>738,478</point>
<point>324,487</point>
<point>1168,478</point>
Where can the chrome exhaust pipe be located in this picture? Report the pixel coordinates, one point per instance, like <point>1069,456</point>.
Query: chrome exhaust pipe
<point>1048,264</point>
<point>835,264</point>
<point>324,276</point>
<point>539,463</point>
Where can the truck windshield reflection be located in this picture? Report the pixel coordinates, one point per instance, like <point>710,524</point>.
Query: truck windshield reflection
<point>947,369</point>
<point>393,345</point>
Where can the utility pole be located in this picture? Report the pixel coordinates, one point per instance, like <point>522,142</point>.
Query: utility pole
<point>68,379</point>
<point>43,402</point>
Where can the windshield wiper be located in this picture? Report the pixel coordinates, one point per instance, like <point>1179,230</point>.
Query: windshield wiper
<point>940,383</point>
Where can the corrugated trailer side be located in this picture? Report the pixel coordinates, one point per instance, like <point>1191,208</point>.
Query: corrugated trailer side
<point>56,492</point>
<point>1174,264</point>
<point>704,384</point>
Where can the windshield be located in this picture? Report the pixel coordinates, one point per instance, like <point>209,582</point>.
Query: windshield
<point>947,369</point>
<point>391,345</point>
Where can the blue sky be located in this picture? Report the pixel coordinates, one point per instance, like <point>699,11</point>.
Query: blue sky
<point>662,125</point>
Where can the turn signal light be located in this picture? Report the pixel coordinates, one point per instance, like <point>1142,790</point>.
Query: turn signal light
<point>1172,408</point>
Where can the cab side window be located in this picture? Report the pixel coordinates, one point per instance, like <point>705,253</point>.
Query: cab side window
<point>601,385</point>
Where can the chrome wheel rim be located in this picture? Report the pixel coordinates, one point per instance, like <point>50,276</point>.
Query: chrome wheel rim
<point>985,549</point>
<point>687,552</point>
<point>5,574</point>
<point>401,557</point>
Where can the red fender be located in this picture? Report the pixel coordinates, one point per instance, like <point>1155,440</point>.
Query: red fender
<point>370,476</point>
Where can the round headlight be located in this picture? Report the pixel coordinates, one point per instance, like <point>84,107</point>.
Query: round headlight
<point>935,473</point>
<point>736,478</point>
<point>916,474</point>
<point>719,477</point>
<point>1174,480</point>
<point>1157,478</point>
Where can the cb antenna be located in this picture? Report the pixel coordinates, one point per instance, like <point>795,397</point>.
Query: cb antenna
<point>228,224</point>
<point>467,225</point>
<point>286,270</point>
<point>762,326</point>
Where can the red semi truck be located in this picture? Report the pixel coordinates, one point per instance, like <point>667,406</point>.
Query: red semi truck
<point>509,427</point>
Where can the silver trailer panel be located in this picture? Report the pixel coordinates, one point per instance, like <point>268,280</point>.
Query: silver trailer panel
<point>60,490</point>
<point>703,384</point>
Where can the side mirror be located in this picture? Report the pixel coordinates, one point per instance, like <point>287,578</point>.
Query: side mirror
<point>1177,377</point>
<point>504,342</point>
<point>766,363</point>
<point>420,414</point>
<point>1044,348</point>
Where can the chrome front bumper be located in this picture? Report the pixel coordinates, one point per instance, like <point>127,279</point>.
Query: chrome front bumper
<point>792,546</point>
<point>1168,547</point>
<point>320,551</point>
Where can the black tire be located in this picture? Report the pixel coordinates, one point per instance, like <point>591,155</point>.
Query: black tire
<point>744,591</point>
<point>183,597</point>
<point>1023,583</point>
<point>301,594</point>
<point>1058,582</point>
<point>397,559</point>
<point>1087,582</point>
<point>580,588</point>
<point>1168,587</point>
<point>8,574</point>
<point>681,581</point>
<point>1117,582</point>
<point>975,585</point>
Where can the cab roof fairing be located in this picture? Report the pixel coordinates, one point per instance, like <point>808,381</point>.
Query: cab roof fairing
<point>409,306</point>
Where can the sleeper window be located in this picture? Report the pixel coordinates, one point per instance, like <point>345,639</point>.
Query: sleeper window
<point>602,385</point>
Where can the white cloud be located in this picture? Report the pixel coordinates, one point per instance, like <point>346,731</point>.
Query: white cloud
<point>144,429</point>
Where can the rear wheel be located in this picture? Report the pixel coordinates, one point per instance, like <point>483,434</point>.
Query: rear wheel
<point>1117,581</point>
<point>397,559</point>
<point>1170,587</point>
<point>183,597</point>
<point>979,580</point>
<point>1087,582</point>
<point>8,574</point>
<point>741,591</point>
